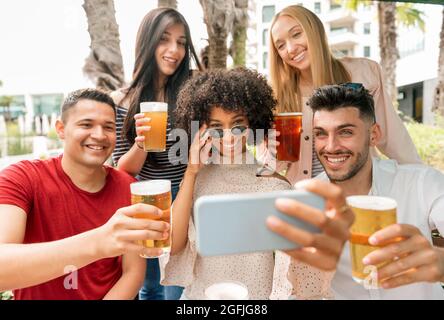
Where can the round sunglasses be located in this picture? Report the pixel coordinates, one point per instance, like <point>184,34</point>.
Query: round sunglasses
<point>218,133</point>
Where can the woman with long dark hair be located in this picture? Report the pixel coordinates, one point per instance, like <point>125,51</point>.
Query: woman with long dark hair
<point>164,51</point>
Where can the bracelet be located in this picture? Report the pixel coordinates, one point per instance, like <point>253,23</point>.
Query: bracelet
<point>140,147</point>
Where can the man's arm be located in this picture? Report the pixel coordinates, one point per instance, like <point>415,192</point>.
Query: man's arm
<point>133,275</point>
<point>31,264</point>
<point>25,265</point>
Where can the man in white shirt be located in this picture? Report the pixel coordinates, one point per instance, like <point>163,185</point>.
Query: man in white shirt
<point>345,132</point>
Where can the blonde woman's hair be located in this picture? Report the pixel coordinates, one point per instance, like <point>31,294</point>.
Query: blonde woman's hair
<point>325,69</point>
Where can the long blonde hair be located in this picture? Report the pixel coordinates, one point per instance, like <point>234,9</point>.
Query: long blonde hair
<point>325,69</point>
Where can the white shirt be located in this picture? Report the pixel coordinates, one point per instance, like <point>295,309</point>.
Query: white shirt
<point>419,192</point>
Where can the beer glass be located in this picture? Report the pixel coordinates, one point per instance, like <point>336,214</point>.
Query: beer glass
<point>155,139</point>
<point>227,290</point>
<point>290,126</point>
<point>371,214</point>
<point>156,193</point>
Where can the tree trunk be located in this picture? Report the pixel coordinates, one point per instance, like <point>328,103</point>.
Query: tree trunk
<point>238,45</point>
<point>218,16</point>
<point>104,66</point>
<point>167,3</point>
<point>387,45</point>
<point>438,103</point>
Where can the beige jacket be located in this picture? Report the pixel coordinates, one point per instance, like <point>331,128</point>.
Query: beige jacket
<point>395,142</point>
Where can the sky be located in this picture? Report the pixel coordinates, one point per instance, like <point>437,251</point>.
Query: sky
<point>44,42</point>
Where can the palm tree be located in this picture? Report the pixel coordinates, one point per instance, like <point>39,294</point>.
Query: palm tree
<point>438,104</point>
<point>387,45</point>
<point>239,32</point>
<point>389,14</point>
<point>167,3</point>
<point>218,17</point>
<point>104,65</point>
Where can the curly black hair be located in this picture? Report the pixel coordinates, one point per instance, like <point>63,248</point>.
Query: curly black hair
<point>236,90</point>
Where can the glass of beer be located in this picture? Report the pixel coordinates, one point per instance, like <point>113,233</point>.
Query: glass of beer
<point>155,139</point>
<point>371,214</point>
<point>290,127</point>
<point>227,290</point>
<point>156,193</point>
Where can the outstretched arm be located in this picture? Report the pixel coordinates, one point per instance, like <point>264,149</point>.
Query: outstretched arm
<point>25,265</point>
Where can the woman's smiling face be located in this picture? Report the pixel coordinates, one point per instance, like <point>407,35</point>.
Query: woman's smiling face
<point>234,126</point>
<point>291,43</point>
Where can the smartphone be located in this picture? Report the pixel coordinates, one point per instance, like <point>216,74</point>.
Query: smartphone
<point>236,223</point>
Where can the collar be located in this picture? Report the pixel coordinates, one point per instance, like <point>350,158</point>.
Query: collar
<point>383,175</point>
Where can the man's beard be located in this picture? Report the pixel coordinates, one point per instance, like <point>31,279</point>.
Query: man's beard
<point>361,160</point>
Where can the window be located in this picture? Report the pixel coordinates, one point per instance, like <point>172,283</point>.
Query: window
<point>47,103</point>
<point>265,60</point>
<point>334,4</point>
<point>366,28</point>
<point>265,37</point>
<point>339,30</point>
<point>268,13</point>
<point>317,7</point>
<point>366,51</point>
<point>410,41</point>
<point>12,106</point>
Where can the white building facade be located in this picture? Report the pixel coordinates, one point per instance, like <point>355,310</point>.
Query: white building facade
<point>355,33</point>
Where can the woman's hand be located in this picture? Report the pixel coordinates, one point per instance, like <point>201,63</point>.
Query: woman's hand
<point>142,126</point>
<point>200,150</point>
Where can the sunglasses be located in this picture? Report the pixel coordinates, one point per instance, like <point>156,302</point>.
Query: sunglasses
<point>218,133</point>
<point>352,85</point>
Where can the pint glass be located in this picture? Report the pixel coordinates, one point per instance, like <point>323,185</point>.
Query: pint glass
<point>156,193</point>
<point>371,214</point>
<point>290,126</point>
<point>155,139</point>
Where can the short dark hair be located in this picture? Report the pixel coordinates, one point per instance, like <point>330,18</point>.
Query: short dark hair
<point>236,90</point>
<point>333,97</point>
<point>85,94</point>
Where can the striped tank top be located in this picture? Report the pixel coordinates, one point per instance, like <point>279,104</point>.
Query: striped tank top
<point>159,166</point>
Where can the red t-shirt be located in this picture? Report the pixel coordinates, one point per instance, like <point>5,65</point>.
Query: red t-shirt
<point>58,209</point>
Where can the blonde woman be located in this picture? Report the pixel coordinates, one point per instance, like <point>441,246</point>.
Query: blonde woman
<point>301,61</point>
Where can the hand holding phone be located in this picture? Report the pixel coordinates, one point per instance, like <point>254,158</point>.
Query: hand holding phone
<point>321,250</point>
<point>236,223</point>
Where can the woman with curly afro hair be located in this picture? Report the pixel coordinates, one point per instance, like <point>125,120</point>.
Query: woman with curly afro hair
<point>231,106</point>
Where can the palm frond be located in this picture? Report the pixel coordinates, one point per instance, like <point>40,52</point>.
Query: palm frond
<point>409,16</point>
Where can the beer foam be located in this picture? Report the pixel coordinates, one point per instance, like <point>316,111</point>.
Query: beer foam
<point>371,202</point>
<point>153,107</point>
<point>150,187</point>
<point>229,290</point>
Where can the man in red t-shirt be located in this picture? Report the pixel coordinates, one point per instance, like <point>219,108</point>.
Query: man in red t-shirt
<point>66,228</point>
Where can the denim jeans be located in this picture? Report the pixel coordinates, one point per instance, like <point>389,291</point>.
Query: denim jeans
<point>152,289</point>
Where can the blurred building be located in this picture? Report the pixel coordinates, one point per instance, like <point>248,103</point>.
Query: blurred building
<point>32,105</point>
<point>355,33</point>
